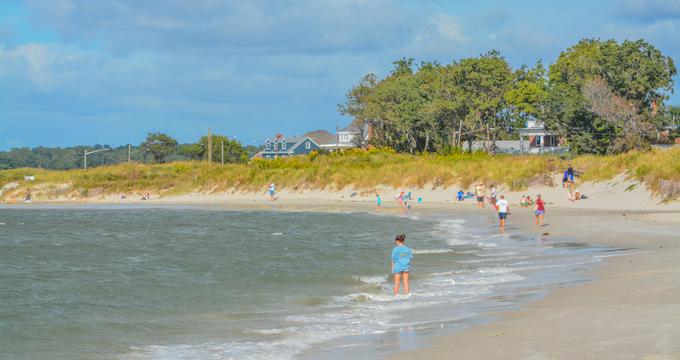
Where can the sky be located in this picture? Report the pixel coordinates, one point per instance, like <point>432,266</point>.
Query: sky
<point>108,72</point>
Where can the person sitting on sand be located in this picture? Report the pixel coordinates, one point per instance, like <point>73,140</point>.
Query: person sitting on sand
<point>577,195</point>
<point>460,195</point>
<point>503,210</point>
<point>539,210</point>
<point>401,263</point>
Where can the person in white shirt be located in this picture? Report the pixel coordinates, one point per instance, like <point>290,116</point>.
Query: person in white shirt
<point>503,210</point>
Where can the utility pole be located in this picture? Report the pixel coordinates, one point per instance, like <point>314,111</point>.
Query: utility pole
<point>85,153</point>
<point>129,152</point>
<point>209,147</point>
<point>222,152</point>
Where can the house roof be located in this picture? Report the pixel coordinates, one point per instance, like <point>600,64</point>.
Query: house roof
<point>321,136</point>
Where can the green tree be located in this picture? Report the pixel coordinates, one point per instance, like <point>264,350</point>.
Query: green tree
<point>233,151</point>
<point>160,146</point>
<point>634,72</point>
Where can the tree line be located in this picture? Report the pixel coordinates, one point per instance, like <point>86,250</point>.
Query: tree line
<point>600,96</point>
<point>156,148</point>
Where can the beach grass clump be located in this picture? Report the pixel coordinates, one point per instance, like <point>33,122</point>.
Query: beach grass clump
<point>363,170</point>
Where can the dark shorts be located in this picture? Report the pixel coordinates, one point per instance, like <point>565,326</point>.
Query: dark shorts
<point>480,198</point>
<point>502,215</point>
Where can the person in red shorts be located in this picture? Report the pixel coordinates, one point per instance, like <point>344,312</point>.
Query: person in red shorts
<point>539,210</point>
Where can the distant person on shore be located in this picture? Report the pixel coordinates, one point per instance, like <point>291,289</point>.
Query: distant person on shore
<point>479,192</point>
<point>492,196</point>
<point>460,195</point>
<point>401,263</point>
<point>503,210</point>
<point>146,197</point>
<point>539,210</point>
<point>565,178</point>
<point>272,192</point>
<point>400,198</point>
<point>28,197</point>
<point>378,200</point>
<point>523,201</point>
<point>530,201</point>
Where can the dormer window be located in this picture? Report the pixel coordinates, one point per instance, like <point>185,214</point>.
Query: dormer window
<point>283,145</point>
<point>268,145</point>
<point>308,145</point>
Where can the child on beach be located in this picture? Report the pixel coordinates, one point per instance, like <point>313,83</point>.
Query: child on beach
<point>523,201</point>
<point>378,199</point>
<point>539,209</point>
<point>480,195</point>
<point>401,263</point>
<point>460,194</point>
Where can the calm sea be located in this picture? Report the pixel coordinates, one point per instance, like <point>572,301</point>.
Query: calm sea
<point>143,283</point>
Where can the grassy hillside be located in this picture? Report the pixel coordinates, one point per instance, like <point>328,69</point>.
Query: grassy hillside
<point>658,169</point>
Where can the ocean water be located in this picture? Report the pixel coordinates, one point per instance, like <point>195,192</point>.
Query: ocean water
<point>144,283</point>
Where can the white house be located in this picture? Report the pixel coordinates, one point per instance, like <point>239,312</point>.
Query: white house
<point>348,137</point>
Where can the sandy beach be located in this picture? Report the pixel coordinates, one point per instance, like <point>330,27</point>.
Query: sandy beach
<point>631,309</point>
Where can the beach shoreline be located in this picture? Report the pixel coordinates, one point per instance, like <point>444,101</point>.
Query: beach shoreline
<point>629,311</point>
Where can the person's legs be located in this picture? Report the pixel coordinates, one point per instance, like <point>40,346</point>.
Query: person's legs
<point>406,288</point>
<point>541,219</point>
<point>502,224</point>
<point>397,280</point>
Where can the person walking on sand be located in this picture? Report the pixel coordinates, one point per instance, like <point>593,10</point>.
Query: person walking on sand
<point>272,192</point>
<point>401,263</point>
<point>492,196</point>
<point>479,192</point>
<point>503,210</point>
<point>539,210</point>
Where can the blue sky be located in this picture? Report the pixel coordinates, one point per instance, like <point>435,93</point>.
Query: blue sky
<point>87,72</point>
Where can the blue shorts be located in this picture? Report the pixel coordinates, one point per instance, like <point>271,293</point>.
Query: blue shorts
<point>502,215</point>
<point>540,212</point>
<point>400,271</point>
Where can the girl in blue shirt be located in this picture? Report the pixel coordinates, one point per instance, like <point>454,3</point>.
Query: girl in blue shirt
<point>401,263</point>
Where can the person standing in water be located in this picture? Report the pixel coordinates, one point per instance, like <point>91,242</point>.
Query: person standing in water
<point>539,210</point>
<point>378,200</point>
<point>503,210</point>
<point>401,263</point>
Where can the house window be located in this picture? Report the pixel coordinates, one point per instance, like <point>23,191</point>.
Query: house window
<point>268,146</point>
<point>283,145</point>
<point>308,145</point>
<point>538,141</point>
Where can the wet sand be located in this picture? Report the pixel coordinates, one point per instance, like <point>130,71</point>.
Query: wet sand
<point>630,311</point>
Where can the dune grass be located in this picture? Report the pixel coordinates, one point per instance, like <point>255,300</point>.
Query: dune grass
<point>361,170</point>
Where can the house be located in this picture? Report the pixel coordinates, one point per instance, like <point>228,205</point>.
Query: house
<point>535,139</point>
<point>348,137</point>
<point>281,146</point>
